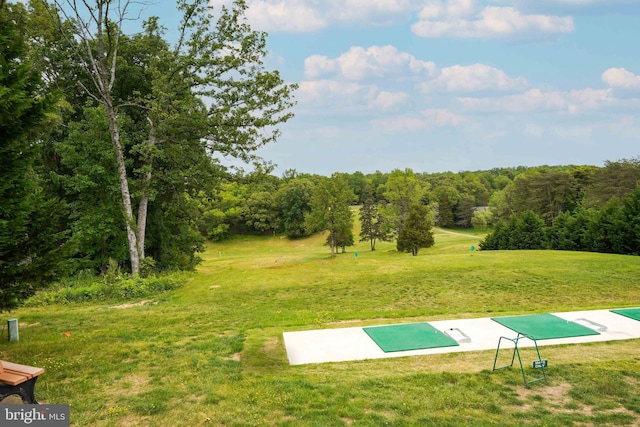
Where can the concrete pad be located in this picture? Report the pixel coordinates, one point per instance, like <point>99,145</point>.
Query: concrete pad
<point>344,344</point>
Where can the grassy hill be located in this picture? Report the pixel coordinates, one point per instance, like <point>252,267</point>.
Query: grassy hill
<point>211,352</point>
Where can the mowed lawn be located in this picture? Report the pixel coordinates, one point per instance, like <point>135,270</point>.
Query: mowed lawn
<point>212,353</point>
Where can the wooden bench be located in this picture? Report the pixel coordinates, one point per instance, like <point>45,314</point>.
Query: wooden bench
<point>18,379</point>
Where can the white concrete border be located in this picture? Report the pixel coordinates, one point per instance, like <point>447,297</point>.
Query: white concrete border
<point>344,344</point>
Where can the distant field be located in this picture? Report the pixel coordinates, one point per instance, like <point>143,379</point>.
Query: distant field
<point>211,352</point>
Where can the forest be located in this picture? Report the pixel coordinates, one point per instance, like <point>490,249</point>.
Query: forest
<point>111,148</point>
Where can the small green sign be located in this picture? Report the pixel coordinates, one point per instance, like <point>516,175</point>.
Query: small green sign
<point>542,363</point>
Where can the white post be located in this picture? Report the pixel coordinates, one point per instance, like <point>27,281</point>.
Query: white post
<point>13,329</point>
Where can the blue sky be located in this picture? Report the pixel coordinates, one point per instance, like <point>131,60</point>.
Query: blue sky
<point>452,85</point>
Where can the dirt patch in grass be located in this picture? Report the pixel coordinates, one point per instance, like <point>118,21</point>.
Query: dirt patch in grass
<point>556,400</point>
<point>271,347</point>
<point>129,386</point>
<point>554,394</point>
<point>27,324</point>
<point>135,304</point>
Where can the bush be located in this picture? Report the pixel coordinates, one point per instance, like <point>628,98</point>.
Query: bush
<point>123,287</point>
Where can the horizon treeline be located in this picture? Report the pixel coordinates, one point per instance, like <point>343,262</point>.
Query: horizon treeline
<point>128,174</point>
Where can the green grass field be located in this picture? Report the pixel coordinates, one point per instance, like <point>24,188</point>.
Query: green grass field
<point>211,352</point>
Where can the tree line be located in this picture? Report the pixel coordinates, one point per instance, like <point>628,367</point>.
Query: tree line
<point>111,145</point>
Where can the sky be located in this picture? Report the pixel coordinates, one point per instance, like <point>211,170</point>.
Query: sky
<point>452,85</point>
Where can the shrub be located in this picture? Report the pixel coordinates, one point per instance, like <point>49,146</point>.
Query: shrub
<point>123,288</point>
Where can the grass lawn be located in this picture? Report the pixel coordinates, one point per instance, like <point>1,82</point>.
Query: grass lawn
<point>211,352</point>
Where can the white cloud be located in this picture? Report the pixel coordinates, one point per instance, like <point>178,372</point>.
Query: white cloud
<point>313,15</point>
<point>321,91</point>
<point>386,101</point>
<point>286,16</point>
<point>536,100</point>
<point>471,78</point>
<point>429,118</point>
<point>374,62</point>
<point>462,19</point>
<point>442,118</point>
<point>342,95</point>
<point>400,124</point>
<point>621,78</point>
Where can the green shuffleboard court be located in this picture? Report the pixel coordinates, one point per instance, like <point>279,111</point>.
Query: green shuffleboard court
<point>411,336</point>
<point>633,313</point>
<point>544,326</point>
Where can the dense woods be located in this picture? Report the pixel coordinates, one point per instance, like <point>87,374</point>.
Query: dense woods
<point>102,170</point>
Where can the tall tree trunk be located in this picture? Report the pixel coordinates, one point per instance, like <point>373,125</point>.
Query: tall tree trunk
<point>124,187</point>
<point>332,245</point>
<point>146,183</point>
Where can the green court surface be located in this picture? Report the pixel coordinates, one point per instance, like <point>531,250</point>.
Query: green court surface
<point>411,336</point>
<point>544,326</point>
<point>633,313</point>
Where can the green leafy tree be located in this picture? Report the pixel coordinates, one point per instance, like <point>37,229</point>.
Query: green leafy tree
<point>402,190</point>
<point>222,61</point>
<point>569,229</point>
<point>528,232</point>
<point>631,222</point>
<point>416,233</point>
<point>373,224</point>
<point>23,111</point>
<point>260,212</point>
<point>525,232</point>
<point>481,219</point>
<point>615,180</point>
<point>221,215</point>
<point>343,236</point>
<point>605,230</point>
<point>545,191</point>
<point>295,202</point>
<point>464,211</point>
<point>330,209</point>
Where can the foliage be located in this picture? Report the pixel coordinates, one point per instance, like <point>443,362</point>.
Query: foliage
<point>330,210</point>
<point>402,190</point>
<point>613,229</point>
<point>295,203</point>
<point>615,180</point>
<point>164,139</point>
<point>525,232</point>
<point>24,106</point>
<point>373,224</point>
<point>481,219</point>
<point>117,288</point>
<point>416,233</point>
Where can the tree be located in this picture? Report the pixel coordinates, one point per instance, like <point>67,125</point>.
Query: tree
<point>416,233</point>
<point>23,111</point>
<point>528,233</point>
<point>373,224</point>
<point>261,212</point>
<point>343,236</point>
<point>403,189</point>
<point>631,222</point>
<point>330,209</point>
<point>545,191</point>
<point>222,62</point>
<point>481,219</point>
<point>616,179</point>
<point>295,202</point>
<point>464,211</point>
